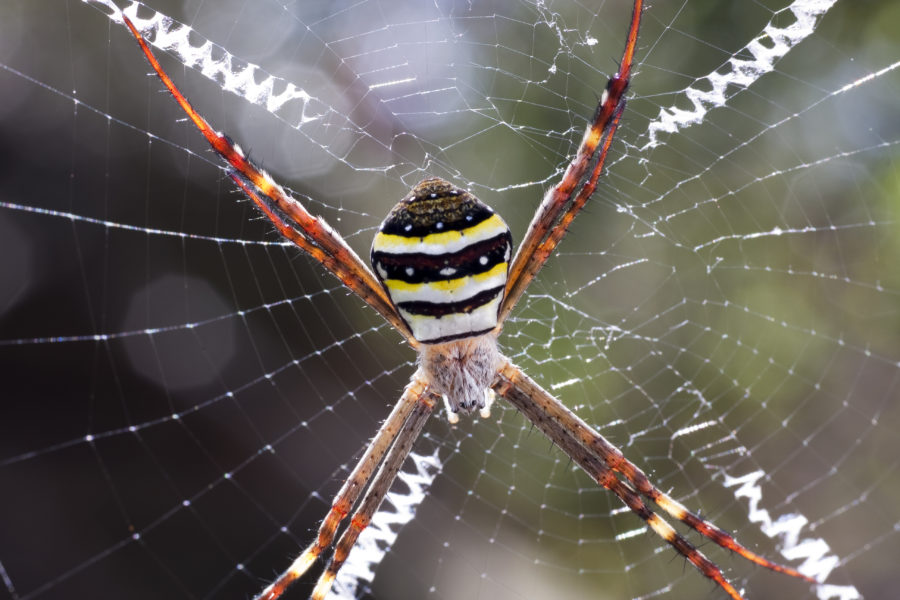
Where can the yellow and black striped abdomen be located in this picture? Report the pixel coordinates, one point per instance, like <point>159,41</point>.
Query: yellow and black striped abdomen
<point>442,255</point>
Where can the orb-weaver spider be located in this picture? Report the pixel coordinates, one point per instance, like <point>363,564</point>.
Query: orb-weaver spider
<point>444,278</point>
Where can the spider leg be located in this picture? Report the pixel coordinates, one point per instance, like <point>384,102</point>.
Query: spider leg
<point>601,460</point>
<point>390,430</point>
<point>347,273</point>
<point>308,232</point>
<point>387,473</point>
<point>519,396</point>
<point>559,208</point>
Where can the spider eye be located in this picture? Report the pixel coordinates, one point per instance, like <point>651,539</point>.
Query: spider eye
<point>442,255</point>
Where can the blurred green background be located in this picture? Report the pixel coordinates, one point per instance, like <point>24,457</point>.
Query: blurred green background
<point>727,304</point>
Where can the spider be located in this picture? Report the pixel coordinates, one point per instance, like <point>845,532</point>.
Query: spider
<point>444,280</point>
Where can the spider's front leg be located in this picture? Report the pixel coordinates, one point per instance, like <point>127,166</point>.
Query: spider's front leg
<point>372,501</point>
<point>601,460</point>
<point>392,429</point>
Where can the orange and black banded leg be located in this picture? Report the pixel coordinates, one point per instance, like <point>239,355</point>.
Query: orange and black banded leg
<point>377,491</point>
<point>616,461</point>
<point>343,503</point>
<point>566,199</point>
<point>310,233</point>
<point>568,432</point>
<point>678,511</point>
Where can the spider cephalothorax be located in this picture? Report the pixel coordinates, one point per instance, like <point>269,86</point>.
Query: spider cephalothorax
<point>462,371</point>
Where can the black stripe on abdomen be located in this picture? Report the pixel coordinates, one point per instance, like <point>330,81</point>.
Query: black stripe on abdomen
<point>442,309</point>
<point>426,268</point>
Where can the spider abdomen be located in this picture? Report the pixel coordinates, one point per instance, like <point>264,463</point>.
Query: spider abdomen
<point>443,255</point>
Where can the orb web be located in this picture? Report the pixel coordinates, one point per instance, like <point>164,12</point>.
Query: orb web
<point>183,392</point>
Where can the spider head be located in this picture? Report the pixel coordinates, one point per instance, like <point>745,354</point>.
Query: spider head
<point>461,371</point>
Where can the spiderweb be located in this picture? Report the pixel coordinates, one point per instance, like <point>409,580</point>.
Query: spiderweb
<point>183,393</point>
